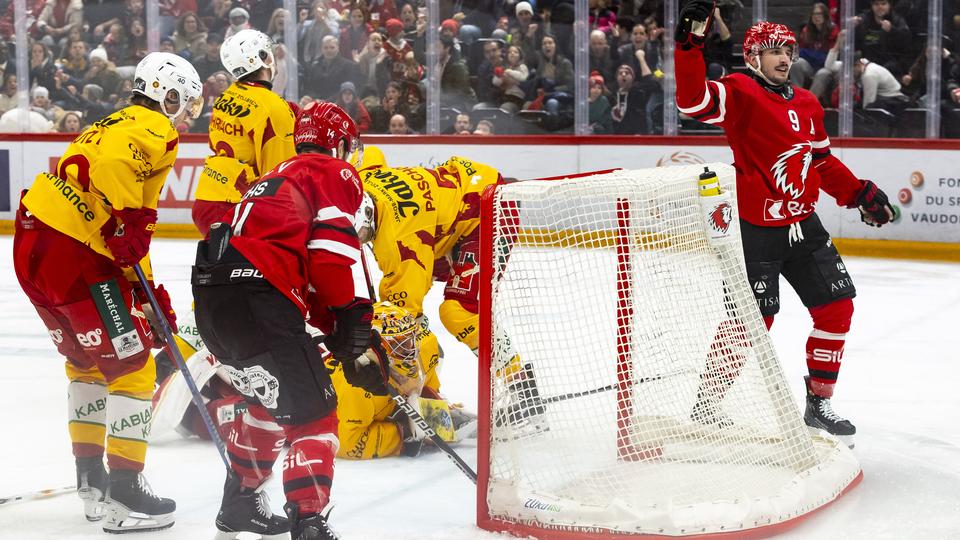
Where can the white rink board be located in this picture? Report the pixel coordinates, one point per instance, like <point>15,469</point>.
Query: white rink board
<point>932,215</point>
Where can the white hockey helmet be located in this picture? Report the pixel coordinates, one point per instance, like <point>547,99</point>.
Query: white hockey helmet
<point>247,51</point>
<point>167,78</point>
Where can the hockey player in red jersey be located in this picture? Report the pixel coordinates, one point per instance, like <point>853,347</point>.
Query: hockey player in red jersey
<point>288,249</point>
<point>782,158</point>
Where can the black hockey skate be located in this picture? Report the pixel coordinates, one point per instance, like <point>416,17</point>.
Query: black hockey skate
<point>92,486</point>
<point>525,410</point>
<point>248,510</point>
<point>309,527</point>
<point>819,415</point>
<point>132,506</point>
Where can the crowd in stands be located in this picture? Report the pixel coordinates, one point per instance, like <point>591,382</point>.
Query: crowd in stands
<point>506,66</point>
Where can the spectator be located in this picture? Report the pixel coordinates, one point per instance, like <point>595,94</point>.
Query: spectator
<point>640,49</point>
<point>599,53</point>
<point>601,17</point>
<point>599,108</point>
<point>5,64</point>
<point>914,83</point>
<point>353,37</point>
<point>190,37</point>
<point>216,16</point>
<point>171,12</point>
<point>629,106</point>
<point>331,69</point>
<point>390,104</point>
<point>883,37</point>
<point>815,40</point>
<point>455,89</point>
<point>950,124</point>
<point>314,30</point>
<point>209,62</point>
<point>553,67</point>
<point>880,88</point>
<point>449,29</point>
<point>509,77</point>
<point>166,45</point>
<point>347,100</point>
<point>484,127</point>
<point>525,32</point>
<point>374,66</point>
<point>416,111</point>
<point>41,65</point>
<point>75,64</point>
<point>380,11</point>
<point>93,104</point>
<point>285,64</point>
<point>137,47</point>
<point>398,49</point>
<point>621,33</point>
<point>239,20</point>
<point>116,43</point>
<point>398,125</point>
<point>461,125</point>
<point>8,92</point>
<point>409,18</point>
<point>40,103</point>
<point>276,24</point>
<point>132,10</point>
<point>69,122</point>
<point>487,92</point>
<point>102,73</point>
<point>57,18</point>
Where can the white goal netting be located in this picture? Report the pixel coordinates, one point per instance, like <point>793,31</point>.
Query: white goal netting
<point>633,387</point>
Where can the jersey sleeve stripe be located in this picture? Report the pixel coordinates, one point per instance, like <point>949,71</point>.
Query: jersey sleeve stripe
<point>332,212</point>
<point>338,248</point>
<point>821,144</point>
<point>349,231</point>
<point>360,289</point>
<point>722,101</point>
<point>701,105</point>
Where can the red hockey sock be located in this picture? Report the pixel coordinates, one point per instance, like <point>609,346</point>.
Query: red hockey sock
<point>255,442</point>
<point>825,344</point>
<point>768,320</point>
<point>308,467</point>
<point>725,359</point>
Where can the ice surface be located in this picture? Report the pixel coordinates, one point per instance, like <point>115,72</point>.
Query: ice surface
<point>900,385</point>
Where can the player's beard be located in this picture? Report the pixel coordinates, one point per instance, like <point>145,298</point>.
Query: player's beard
<point>778,76</point>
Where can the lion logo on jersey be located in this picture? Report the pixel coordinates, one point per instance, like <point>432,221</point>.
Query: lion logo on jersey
<point>790,170</point>
<point>721,217</point>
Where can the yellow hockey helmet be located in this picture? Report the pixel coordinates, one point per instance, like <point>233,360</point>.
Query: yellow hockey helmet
<point>398,332</point>
<point>371,158</point>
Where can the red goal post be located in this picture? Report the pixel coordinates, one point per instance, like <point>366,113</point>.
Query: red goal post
<point>617,327</point>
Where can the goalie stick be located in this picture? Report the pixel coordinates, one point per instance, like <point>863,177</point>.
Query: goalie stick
<point>174,353</point>
<point>421,423</point>
<point>35,495</point>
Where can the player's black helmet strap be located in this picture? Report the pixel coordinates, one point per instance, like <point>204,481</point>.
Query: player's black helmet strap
<point>784,90</point>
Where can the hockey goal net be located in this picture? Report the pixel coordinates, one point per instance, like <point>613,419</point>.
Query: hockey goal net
<point>627,382</point>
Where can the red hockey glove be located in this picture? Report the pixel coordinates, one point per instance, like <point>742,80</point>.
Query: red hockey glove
<point>371,370</point>
<point>875,208</point>
<point>351,331</point>
<point>696,17</point>
<point>129,241</point>
<point>163,299</point>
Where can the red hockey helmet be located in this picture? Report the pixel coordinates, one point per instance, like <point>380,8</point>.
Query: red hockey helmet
<point>324,124</point>
<point>768,35</point>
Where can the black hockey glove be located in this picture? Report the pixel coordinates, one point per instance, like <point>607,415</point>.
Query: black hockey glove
<point>875,208</point>
<point>696,17</point>
<point>412,437</point>
<point>351,331</point>
<point>368,373</point>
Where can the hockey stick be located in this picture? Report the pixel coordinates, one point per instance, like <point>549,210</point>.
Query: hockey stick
<point>174,353</point>
<point>607,388</point>
<point>421,423</point>
<point>35,495</point>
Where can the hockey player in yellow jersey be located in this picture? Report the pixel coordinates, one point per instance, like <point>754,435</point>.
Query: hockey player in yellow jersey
<point>251,129</point>
<point>371,426</point>
<point>414,216</point>
<point>78,232</point>
<point>422,221</point>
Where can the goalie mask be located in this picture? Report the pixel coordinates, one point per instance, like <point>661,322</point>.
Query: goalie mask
<point>398,333</point>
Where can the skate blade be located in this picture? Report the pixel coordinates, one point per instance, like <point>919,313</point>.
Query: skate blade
<point>93,506</point>
<point>845,439</point>
<point>121,520</point>
<point>232,535</point>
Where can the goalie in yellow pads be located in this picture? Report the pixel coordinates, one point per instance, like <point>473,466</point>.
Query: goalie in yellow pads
<point>371,426</point>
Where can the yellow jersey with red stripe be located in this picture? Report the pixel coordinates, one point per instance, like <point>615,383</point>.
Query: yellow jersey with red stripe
<point>251,132</point>
<point>119,162</point>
